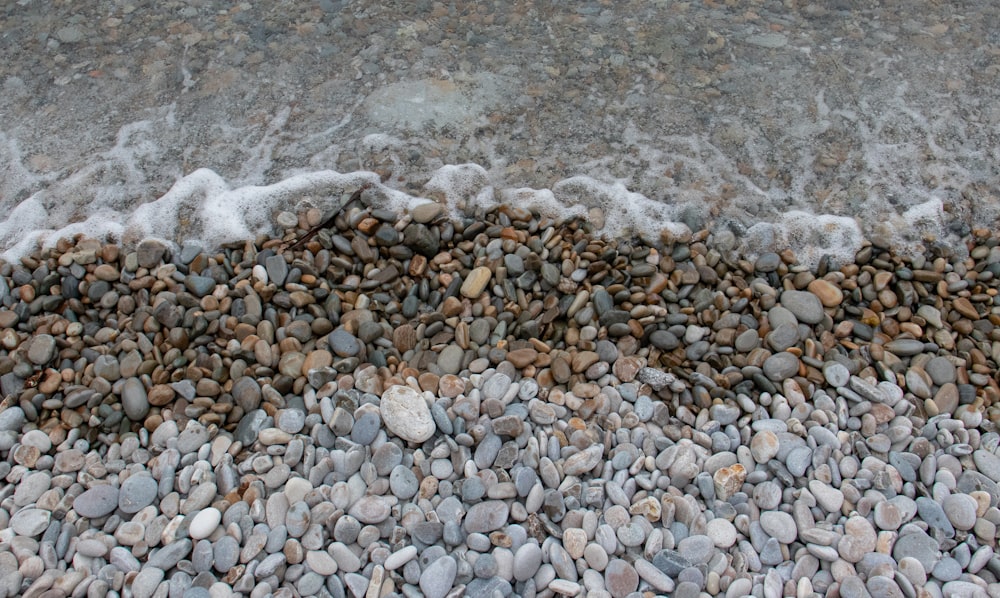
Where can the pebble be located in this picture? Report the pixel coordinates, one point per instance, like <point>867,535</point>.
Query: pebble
<point>629,429</point>
<point>406,414</point>
<point>97,502</point>
<point>436,580</point>
<point>779,525</point>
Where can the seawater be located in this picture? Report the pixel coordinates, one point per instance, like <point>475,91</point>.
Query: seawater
<point>809,126</point>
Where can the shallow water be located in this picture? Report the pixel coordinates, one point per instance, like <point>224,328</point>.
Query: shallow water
<point>746,117</point>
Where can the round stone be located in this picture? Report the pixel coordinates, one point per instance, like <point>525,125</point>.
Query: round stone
<point>960,510</point>
<point>137,492</point>
<point>836,374</point>
<point>406,414</point>
<point>780,366</point>
<point>620,578</point>
<point>204,523</point>
<point>370,509</point>
<point>486,516</point>
<point>779,525</point>
<point>764,446</point>
<point>806,307</point>
<point>30,522</point>
<point>721,531</point>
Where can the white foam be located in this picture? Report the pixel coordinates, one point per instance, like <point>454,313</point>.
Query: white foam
<point>809,236</point>
<point>202,206</point>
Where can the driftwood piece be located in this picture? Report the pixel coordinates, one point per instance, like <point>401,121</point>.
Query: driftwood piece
<point>329,221</point>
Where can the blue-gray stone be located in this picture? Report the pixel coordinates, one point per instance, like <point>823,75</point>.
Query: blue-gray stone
<point>933,515</point>
<point>199,285</point>
<point>277,269</point>
<point>670,562</point>
<point>137,493</point>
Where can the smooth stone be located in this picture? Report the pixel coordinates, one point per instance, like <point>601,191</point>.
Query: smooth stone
<point>343,343</point>
<point>97,502</point>
<point>806,307</point>
<point>919,546</point>
<point>960,510</point>
<point>450,359</point>
<point>12,419</point>
<point>406,414</point>
<point>836,374</point>
<point>933,514</point>
<point>204,523</point>
<point>527,560</point>
<point>30,522</point>
<point>486,516</point>
<point>475,283</point>
<point>584,460</point>
<point>321,562</point>
<point>134,399</point>
<point>781,366</point>
<point>437,579</point>
<point>370,509</point>
<point>905,347</point>
<point>136,493</point>
<point>42,349</point>
<point>779,525</point>
<point>145,583</point>
<point>620,578</point>
<point>941,370</point>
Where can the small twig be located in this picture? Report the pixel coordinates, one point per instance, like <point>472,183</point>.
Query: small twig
<point>329,221</point>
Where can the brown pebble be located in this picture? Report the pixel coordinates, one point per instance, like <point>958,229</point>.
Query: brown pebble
<point>829,294</point>
<point>522,358</point>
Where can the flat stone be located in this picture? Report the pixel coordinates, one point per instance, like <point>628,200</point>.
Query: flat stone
<point>905,347</point>
<point>97,502</point>
<point>584,460</point>
<point>145,583</point>
<point>960,510</point>
<point>828,293</point>
<point>620,578</point>
<point>370,509</point>
<point>836,374</point>
<point>136,493</point>
<point>11,419</point>
<point>436,580</point>
<point>780,366</point>
<point>779,525</point>
<point>764,446</point>
<point>806,306</point>
<point>527,560</point>
<point>486,517</point>
<point>30,522</point>
<point>450,359</point>
<point>722,532</point>
<point>321,562</point>
<point>406,414</point>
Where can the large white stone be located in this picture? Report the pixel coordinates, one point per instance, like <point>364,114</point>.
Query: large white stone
<point>406,414</point>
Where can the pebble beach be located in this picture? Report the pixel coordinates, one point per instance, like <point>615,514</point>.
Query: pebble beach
<point>507,405</point>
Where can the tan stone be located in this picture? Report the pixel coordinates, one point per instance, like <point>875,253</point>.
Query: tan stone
<point>729,480</point>
<point>829,294</point>
<point>522,358</point>
<point>475,282</point>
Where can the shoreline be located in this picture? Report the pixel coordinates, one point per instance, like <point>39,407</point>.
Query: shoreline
<point>412,404</point>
